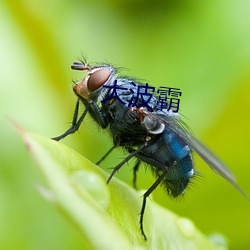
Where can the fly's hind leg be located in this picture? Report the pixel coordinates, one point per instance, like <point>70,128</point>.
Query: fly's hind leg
<point>145,196</point>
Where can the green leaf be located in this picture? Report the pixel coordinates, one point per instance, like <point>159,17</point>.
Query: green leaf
<point>107,215</point>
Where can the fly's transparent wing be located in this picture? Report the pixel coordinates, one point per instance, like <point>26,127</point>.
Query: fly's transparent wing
<point>212,160</point>
<point>206,154</point>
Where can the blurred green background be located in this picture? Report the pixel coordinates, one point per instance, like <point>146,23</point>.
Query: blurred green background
<point>201,47</point>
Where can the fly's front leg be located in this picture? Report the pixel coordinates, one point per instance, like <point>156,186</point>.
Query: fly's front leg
<point>97,114</point>
<point>75,123</point>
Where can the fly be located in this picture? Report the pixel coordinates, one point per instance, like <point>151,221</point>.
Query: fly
<point>154,136</point>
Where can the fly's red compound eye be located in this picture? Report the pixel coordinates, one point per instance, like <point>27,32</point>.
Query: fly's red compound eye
<point>97,79</point>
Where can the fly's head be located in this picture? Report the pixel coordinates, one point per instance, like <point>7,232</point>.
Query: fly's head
<point>92,83</point>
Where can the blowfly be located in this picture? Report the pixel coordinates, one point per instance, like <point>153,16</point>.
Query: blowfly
<point>152,135</point>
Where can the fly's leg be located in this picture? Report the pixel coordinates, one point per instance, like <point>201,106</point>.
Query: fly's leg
<point>145,196</point>
<point>136,167</point>
<point>93,109</point>
<point>97,114</point>
<point>75,123</point>
<point>124,161</point>
<point>105,155</point>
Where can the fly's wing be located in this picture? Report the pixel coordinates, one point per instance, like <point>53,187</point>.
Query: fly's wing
<point>212,160</point>
<point>206,154</point>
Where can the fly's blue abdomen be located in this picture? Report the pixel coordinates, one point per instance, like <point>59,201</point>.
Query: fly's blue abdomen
<point>180,165</point>
<point>170,155</point>
<point>178,176</point>
<point>178,149</point>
